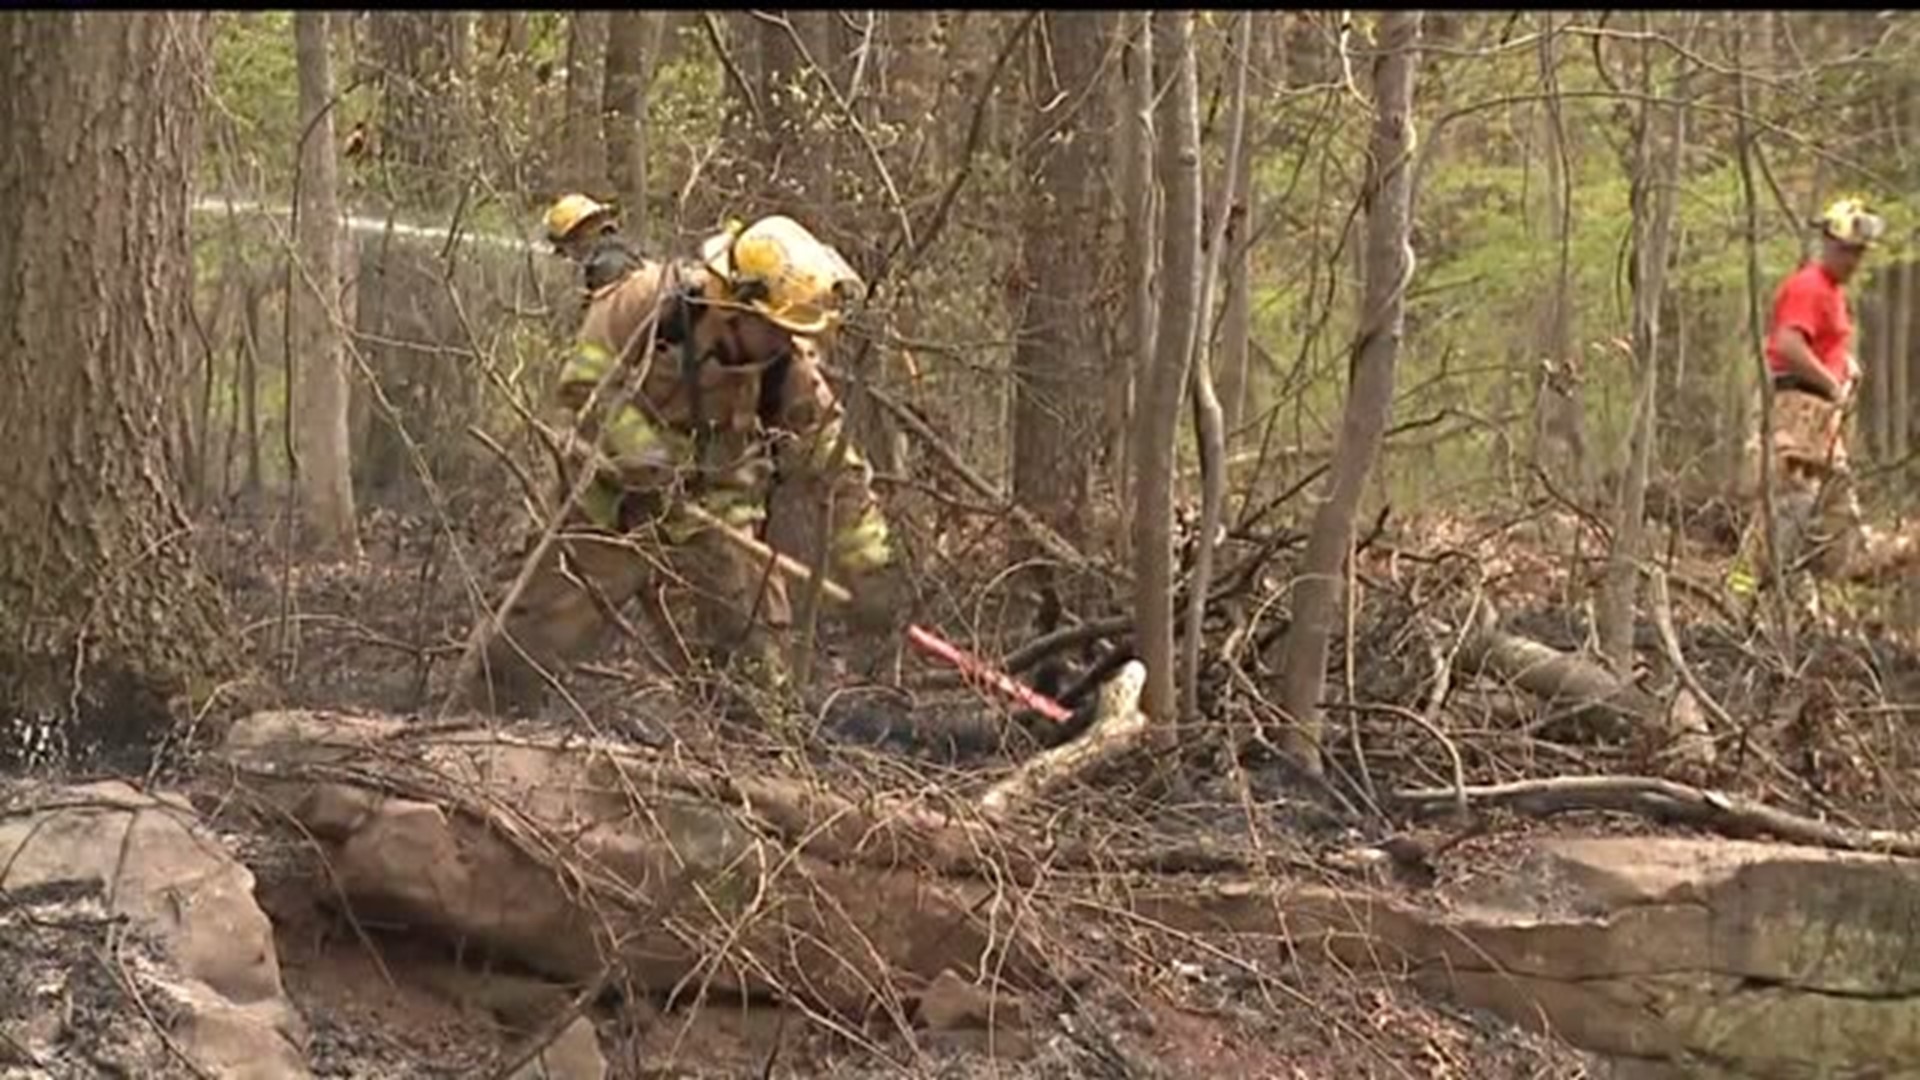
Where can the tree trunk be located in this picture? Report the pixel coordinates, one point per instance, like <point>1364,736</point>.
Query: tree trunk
<point>100,128</point>
<point>1054,365</point>
<point>1141,237</point>
<point>1376,348</point>
<point>1236,322</point>
<point>1560,414</point>
<point>632,40</point>
<point>420,56</point>
<point>796,155</point>
<point>1899,321</point>
<point>1177,120</point>
<point>1653,223</point>
<point>250,406</point>
<point>1208,421</point>
<point>584,147</point>
<point>422,59</point>
<point>322,469</point>
<point>1878,323</point>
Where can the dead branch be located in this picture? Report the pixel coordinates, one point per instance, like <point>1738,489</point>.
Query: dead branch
<point>1117,727</point>
<point>1670,640</point>
<point>732,68</point>
<point>1054,544</point>
<point>1664,800</point>
<point>1560,680</point>
<point>895,203</point>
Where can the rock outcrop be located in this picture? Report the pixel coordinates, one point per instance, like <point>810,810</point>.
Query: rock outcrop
<point>130,941</point>
<point>1673,957</point>
<point>571,856</point>
<point>1691,957</point>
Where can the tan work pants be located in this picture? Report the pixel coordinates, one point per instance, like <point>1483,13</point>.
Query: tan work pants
<point>1817,511</point>
<point>740,612</point>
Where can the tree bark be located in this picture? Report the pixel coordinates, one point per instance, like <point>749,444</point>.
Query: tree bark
<point>795,156</point>
<point>1654,184</point>
<point>1208,421</point>
<point>1899,322</point>
<point>99,138</point>
<point>1054,367</point>
<point>1560,415</point>
<point>584,149</point>
<point>1140,212</point>
<point>322,468</point>
<point>1177,119</point>
<point>633,37</point>
<point>1236,322</point>
<point>1878,323</point>
<point>420,56</point>
<point>1376,348</point>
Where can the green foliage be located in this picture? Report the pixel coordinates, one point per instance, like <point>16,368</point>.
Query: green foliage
<point>256,98</point>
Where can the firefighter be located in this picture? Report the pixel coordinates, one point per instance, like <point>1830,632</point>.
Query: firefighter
<point>587,232</point>
<point>728,402</point>
<point>1815,371</point>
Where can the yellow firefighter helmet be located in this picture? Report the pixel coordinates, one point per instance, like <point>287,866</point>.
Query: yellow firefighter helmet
<point>779,269</point>
<point>1850,221</point>
<point>572,212</point>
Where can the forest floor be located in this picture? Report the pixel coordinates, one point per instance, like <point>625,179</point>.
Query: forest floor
<point>1826,737</point>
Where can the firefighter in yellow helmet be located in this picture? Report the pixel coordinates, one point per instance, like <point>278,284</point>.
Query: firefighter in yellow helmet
<point>1813,363</point>
<point>587,232</point>
<point>730,403</point>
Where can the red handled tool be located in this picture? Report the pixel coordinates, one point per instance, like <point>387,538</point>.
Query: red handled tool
<point>971,667</point>
<point>980,672</point>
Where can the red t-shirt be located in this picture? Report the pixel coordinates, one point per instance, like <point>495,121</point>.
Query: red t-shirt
<point>1811,302</point>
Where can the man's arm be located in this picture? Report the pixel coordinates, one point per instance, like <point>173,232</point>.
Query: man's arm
<point>641,451</point>
<point>859,538</point>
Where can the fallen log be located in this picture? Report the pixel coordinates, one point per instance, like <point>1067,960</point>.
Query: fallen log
<point>1572,689</point>
<point>1117,728</point>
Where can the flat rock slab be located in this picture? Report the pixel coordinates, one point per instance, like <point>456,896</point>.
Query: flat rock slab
<point>132,941</point>
<point>1763,960</point>
<point>1710,957</point>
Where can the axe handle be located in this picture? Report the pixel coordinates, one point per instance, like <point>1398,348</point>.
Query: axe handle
<point>746,542</point>
<point>984,674</point>
<point>926,641</point>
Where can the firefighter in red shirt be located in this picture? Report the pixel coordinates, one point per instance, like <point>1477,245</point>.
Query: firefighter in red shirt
<point>1811,360</point>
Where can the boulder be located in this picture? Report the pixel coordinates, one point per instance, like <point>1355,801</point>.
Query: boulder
<point>569,856</point>
<point>1675,957</point>
<point>130,939</point>
<point>574,1055</point>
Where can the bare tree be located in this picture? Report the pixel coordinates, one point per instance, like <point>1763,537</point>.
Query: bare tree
<point>633,41</point>
<point>791,99</point>
<point>1055,370</point>
<point>1140,214</point>
<point>421,57</point>
<point>1236,321</point>
<point>1655,178</point>
<point>1899,321</point>
<point>1559,414</point>
<point>1177,118</point>
<point>1376,349</point>
<point>583,163</point>
<point>1208,421</point>
<point>323,461</point>
<point>1756,335</point>
<point>98,583</point>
